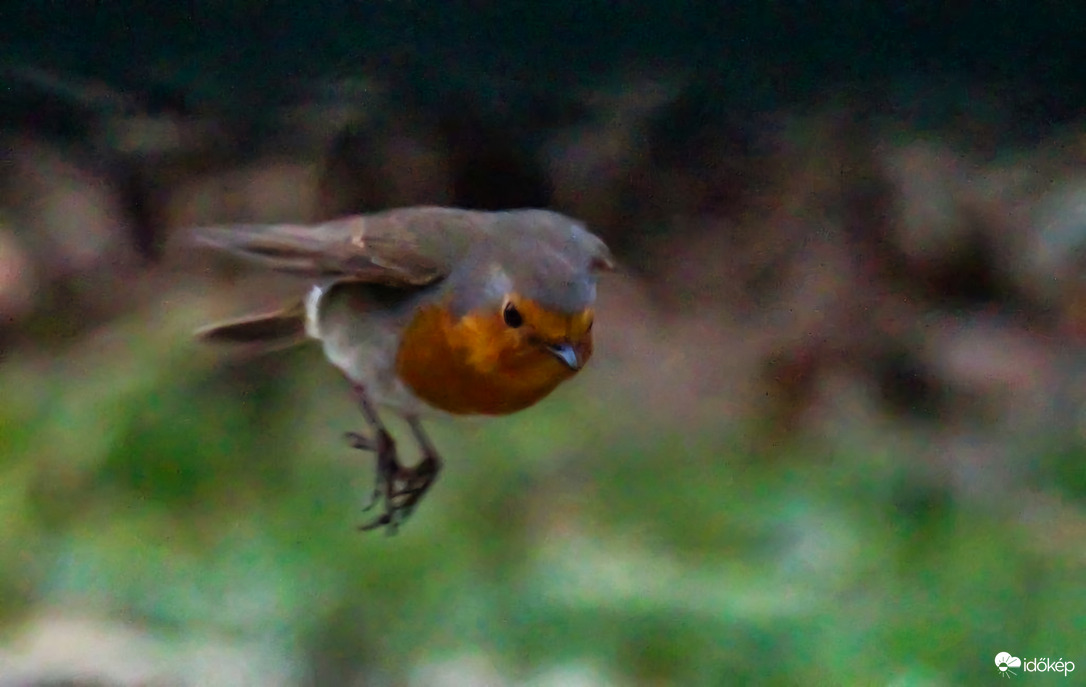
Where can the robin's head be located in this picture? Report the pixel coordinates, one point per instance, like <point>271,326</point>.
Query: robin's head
<point>526,299</point>
<point>518,316</point>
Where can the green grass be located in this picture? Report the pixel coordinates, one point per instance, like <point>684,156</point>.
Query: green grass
<point>150,483</point>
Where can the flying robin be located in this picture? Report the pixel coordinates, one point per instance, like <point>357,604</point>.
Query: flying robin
<point>459,311</point>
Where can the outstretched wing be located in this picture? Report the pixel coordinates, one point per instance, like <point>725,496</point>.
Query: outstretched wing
<point>342,248</point>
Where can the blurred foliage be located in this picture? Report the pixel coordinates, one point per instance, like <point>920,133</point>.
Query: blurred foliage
<point>144,482</point>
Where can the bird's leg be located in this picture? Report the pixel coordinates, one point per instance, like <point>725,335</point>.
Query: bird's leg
<point>380,443</point>
<point>402,488</point>
<point>421,477</point>
<point>407,486</point>
<point>389,469</point>
<point>388,465</point>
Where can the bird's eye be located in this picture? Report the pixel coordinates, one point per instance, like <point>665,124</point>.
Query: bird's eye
<point>589,328</point>
<point>512,316</point>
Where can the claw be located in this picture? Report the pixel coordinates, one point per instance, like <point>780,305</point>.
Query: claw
<point>360,441</point>
<point>364,443</point>
<point>384,520</point>
<point>374,498</point>
<point>400,488</point>
<point>403,488</point>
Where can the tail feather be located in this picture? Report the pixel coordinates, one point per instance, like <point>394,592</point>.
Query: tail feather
<point>284,327</point>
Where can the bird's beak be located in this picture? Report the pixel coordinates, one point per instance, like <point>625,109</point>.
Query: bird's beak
<point>567,354</point>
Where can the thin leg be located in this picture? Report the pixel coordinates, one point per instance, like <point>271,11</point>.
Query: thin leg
<point>381,443</point>
<point>400,488</point>
<point>368,411</point>
<point>409,485</point>
<point>428,450</point>
<point>430,465</point>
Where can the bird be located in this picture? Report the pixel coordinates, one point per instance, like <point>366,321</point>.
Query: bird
<point>427,311</point>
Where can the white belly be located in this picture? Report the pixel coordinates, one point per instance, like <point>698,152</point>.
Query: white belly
<point>362,345</point>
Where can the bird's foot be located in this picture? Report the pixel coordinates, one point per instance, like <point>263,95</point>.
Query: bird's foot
<point>360,441</point>
<point>401,488</point>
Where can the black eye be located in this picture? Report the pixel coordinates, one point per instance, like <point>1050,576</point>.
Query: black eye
<point>512,316</point>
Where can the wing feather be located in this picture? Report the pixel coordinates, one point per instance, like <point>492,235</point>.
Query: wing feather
<point>334,249</point>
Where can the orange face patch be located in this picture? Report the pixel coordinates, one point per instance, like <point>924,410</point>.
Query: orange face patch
<point>480,365</point>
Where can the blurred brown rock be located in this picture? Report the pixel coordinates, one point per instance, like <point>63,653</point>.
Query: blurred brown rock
<point>928,180</point>
<point>67,234</point>
<point>18,280</point>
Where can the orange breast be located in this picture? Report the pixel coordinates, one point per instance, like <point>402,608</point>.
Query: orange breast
<point>475,365</point>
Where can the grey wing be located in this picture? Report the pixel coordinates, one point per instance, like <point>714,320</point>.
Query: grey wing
<point>340,249</point>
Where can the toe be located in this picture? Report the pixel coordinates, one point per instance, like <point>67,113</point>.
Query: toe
<point>360,442</point>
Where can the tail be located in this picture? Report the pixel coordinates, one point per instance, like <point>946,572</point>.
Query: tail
<point>277,329</point>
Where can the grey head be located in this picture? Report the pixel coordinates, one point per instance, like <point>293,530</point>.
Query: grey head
<point>539,254</point>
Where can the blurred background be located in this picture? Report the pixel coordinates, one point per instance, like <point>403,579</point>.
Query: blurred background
<point>833,432</point>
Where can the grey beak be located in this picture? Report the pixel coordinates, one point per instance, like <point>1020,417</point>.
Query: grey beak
<point>566,354</point>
